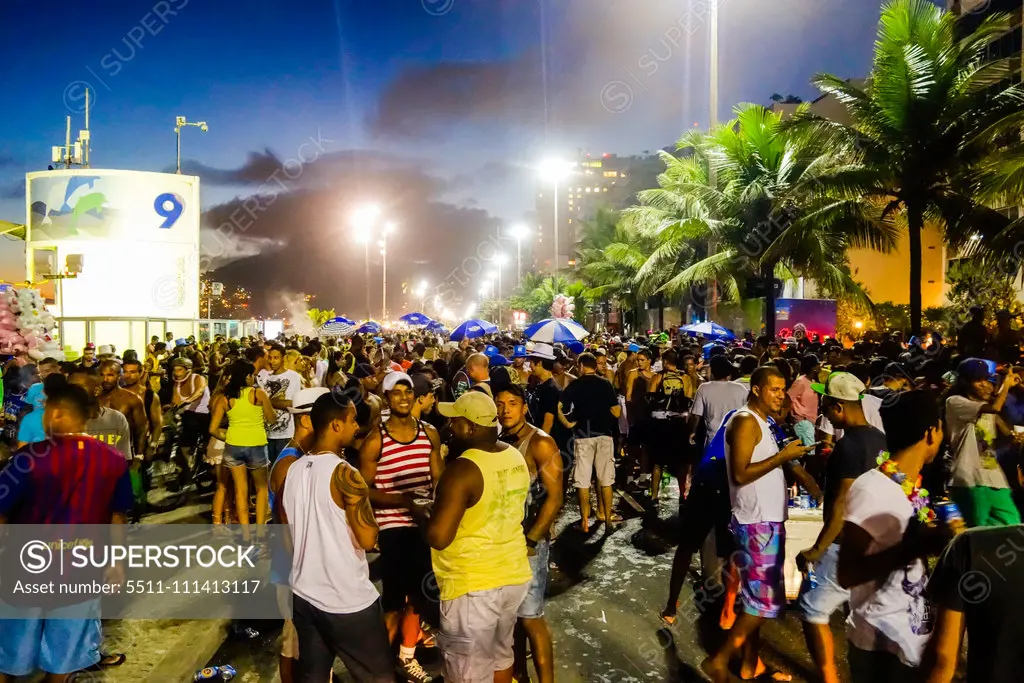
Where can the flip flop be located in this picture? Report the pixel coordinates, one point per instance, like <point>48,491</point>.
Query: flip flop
<point>668,619</point>
<point>111,659</point>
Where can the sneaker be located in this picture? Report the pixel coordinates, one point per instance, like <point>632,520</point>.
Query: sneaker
<point>411,671</point>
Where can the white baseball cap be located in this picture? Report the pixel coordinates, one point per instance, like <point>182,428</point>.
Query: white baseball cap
<point>393,378</point>
<point>841,386</point>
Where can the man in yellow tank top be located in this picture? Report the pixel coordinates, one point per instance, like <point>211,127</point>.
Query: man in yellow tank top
<point>478,546</point>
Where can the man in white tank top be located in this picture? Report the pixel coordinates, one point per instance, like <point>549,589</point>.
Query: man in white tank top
<point>757,489</point>
<point>336,609</point>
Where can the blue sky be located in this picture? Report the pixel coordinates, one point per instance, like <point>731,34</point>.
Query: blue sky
<point>455,98</point>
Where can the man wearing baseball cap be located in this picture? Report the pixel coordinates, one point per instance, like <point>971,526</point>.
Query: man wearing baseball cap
<point>973,408</point>
<point>401,461</point>
<point>546,395</point>
<point>854,454</point>
<point>479,557</point>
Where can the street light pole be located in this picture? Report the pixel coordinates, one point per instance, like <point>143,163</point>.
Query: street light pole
<point>555,269</point>
<point>384,273</point>
<point>519,260</point>
<point>713,123</point>
<point>179,123</point>
<point>388,227</point>
<point>366,278</point>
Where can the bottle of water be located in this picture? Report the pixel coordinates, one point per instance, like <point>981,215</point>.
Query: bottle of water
<point>812,578</point>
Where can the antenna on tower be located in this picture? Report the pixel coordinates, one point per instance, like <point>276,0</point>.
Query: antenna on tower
<point>77,153</point>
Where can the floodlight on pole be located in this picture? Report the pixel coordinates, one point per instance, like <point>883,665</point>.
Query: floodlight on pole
<point>553,171</point>
<point>363,220</point>
<point>389,228</point>
<point>520,232</point>
<point>179,123</point>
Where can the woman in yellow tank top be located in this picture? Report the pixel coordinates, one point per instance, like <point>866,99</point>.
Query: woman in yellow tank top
<point>248,409</point>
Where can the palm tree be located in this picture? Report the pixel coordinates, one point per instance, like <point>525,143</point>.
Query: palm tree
<point>934,135</point>
<point>746,204</point>
<point>609,257</point>
<point>319,316</point>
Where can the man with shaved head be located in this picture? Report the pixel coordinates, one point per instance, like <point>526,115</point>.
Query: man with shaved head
<point>478,369</point>
<point>113,396</point>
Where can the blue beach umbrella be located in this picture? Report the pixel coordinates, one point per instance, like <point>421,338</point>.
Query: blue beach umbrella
<point>556,331</point>
<point>473,328</point>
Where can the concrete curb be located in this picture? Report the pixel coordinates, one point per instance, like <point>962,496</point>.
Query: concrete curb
<point>165,651</point>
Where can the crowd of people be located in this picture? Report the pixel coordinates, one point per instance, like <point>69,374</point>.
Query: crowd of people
<point>452,461</point>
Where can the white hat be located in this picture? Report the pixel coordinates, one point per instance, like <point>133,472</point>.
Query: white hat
<point>304,400</point>
<point>393,378</point>
<point>105,350</point>
<point>542,350</point>
<point>841,386</point>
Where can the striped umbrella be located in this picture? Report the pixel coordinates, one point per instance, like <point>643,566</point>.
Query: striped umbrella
<point>556,331</point>
<point>337,327</point>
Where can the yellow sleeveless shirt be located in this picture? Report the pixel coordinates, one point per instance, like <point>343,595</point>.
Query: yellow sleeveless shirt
<point>489,550</point>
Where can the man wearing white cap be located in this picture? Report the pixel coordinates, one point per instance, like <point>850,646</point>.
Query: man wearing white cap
<point>480,558</point>
<point>546,395</point>
<point>401,461</point>
<point>301,441</point>
<point>854,454</point>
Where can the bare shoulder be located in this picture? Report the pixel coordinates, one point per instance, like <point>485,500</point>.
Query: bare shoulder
<point>279,472</point>
<point>543,443</point>
<point>432,433</point>
<point>348,482</point>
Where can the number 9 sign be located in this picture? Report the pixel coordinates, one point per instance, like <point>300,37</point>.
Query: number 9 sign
<point>169,207</point>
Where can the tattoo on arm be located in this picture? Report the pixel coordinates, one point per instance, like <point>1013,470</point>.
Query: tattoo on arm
<point>355,493</point>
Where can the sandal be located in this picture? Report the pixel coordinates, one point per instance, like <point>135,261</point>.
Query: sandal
<point>111,659</point>
<point>670,619</point>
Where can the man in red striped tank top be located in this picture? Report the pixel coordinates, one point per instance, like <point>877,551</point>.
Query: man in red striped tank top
<point>402,461</point>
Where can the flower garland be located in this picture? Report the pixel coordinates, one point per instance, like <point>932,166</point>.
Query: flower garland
<point>917,496</point>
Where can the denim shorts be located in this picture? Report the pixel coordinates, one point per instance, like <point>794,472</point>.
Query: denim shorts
<point>58,641</point>
<point>253,457</point>
<point>816,605</point>
<point>533,603</point>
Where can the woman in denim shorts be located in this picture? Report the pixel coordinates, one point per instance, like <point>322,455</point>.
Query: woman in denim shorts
<point>247,408</point>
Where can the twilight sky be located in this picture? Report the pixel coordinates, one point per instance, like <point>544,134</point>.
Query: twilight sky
<point>435,109</point>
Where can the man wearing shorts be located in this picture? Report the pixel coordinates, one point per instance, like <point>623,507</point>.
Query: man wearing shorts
<point>479,549</point>
<point>67,479</point>
<point>757,491</point>
<point>542,507</point>
<point>854,454</point>
<point>191,394</point>
<point>297,446</point>
<point>589,407</point>
<point>401,460</point>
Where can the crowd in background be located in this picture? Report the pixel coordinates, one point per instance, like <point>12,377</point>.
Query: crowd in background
<point>904,444</point>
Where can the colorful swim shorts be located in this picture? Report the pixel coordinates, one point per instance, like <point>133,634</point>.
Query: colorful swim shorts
<point>759,557</point>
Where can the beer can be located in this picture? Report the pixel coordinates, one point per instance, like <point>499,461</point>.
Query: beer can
<point>948,512</point>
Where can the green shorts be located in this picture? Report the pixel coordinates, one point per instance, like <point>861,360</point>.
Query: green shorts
<point>984,506</point>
